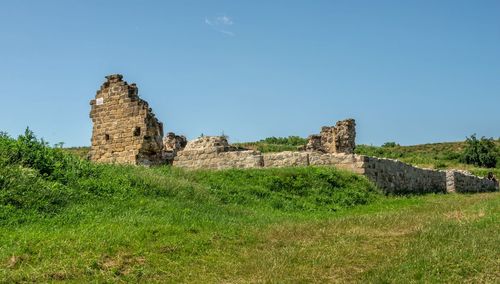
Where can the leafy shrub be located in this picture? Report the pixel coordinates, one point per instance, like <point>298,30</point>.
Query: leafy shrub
<point>451,156</point>
<point>37,178</point>
<point>290,140</point>
<point>480,152</point>
<point>23,188</point>
<point>51,163</point>
<point>275,144</point>
<point>390,144</point>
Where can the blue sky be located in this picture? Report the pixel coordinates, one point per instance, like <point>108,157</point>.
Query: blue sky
<point>407,71</point>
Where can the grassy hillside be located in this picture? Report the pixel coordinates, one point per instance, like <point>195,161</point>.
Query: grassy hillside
<point>65,219</point>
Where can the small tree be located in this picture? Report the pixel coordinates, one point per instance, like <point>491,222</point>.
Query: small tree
<point>481,152</point>
<point>390,144</point>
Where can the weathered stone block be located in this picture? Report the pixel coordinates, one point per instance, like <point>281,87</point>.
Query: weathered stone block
<point>286,159</point>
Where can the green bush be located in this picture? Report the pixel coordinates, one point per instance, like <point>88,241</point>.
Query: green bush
<point>275,144</point>
<point>51,163</point>
<point>390,144</point>
<point>290,140</point>
<point>480,152</point>
<point>23,188</point>
<point>36,177</point>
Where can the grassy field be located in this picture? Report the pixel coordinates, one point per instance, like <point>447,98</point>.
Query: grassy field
<point>436,238</point>
<point>65,219</point>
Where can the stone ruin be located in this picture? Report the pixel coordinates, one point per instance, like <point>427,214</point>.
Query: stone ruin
<point>174,143</point>
<point>171,145</point>
<point>334,139</point>
<point>210,144</point>
<point>126,131</point>
<point>216,153</point>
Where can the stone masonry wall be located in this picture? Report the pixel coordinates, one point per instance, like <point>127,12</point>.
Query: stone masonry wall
<point>334,139</point>
<point>350,162</point>
<point>174,143</point>
<point>286,159</point>
<point>171,145</point>
<point>125,130</point>
<point>465,182</point>
<point>396,177</point>
<point>343,135</point>
<point>214,152</point>
<point>222,160</point>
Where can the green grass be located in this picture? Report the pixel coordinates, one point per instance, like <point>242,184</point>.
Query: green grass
<point>65,219</point>
<point>437,238</point>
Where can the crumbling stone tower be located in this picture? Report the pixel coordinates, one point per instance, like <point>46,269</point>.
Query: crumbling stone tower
<point>340,138</point>
<point>125,130</point>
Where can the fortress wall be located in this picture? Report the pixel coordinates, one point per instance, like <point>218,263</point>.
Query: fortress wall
<point>464,182</point>
<point>351,162</point>
<point>396,177</point>
<point>286,159</point>
<point>392,176</point>
<point>218,160</point>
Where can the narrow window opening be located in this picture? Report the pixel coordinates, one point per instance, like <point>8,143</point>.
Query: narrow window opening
<point>137,131</point>
<point>106,137</point>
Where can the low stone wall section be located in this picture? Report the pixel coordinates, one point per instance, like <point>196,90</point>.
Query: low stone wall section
<point>215,160</point>
<point>351,162</point>
<point>464,182</point>
<point>286,159</point>
<point>396,177</point>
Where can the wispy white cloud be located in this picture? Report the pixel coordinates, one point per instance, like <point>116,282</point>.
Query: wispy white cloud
<point>227,32</point>
<point>225,20</point>
<point>220,24</point>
